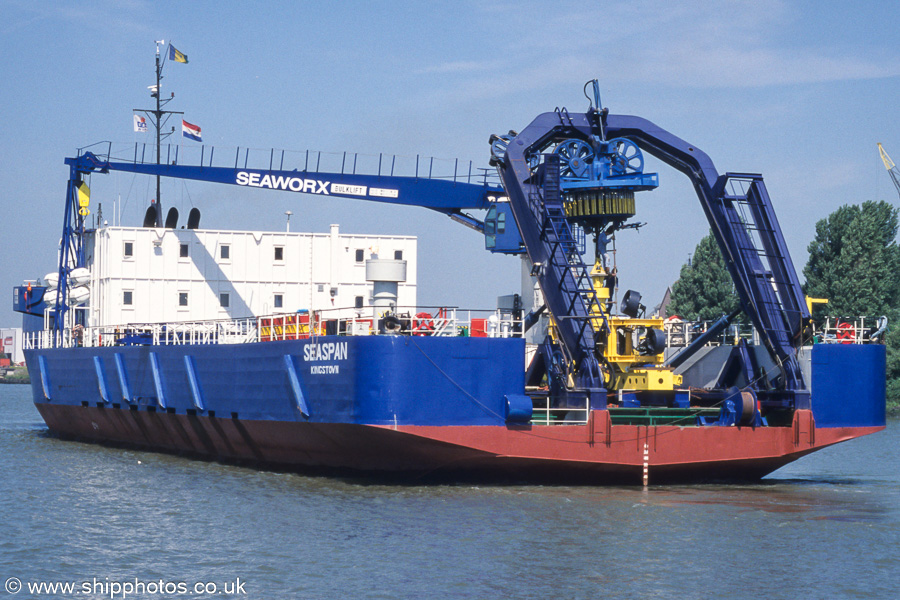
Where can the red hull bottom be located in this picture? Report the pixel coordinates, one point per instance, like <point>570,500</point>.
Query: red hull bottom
<point>595,453</point>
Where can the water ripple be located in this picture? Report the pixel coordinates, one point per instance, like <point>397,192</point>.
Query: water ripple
<point>822,527</point>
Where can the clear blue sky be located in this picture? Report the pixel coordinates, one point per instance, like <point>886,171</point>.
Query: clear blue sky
<point>799,91</point>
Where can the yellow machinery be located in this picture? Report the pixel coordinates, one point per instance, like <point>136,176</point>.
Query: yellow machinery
<point>634,346</point>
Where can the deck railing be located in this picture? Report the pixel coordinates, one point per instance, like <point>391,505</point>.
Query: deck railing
<point>852,330</point>
<point>547,414</point>
<point>835,330</point>
<point>403,321</point>
<point>443,322</point>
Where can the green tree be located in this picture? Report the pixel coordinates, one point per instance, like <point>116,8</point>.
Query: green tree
<point>854,262</point>
<point>704,290</point>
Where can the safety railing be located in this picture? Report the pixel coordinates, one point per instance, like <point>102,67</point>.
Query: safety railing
<point>852,330</point>
<point>682,333</point>
<point>835,330</point>
<point>306,161</point>
<point>545,414</point>
<point>442,322</point>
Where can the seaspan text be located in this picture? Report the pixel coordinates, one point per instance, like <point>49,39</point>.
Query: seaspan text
<point>324,352</point>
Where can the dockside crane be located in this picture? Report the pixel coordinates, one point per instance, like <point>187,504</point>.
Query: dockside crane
<point>891,167</point>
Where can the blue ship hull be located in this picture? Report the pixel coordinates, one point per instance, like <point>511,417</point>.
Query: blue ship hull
<point>415,405</point>
<point>370,380</point>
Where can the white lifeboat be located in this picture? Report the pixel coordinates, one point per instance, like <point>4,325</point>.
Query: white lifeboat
<point>51,280</point>
<point>79,276</point>
<point>79,295</point>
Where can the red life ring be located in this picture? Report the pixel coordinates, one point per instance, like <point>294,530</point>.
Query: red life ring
<point>846,333</point>
<point>423,324</point>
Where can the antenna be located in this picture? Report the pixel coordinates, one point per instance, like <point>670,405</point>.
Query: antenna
<point>156,117</point>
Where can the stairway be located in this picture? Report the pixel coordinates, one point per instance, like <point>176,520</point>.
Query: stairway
<point>564,277</point>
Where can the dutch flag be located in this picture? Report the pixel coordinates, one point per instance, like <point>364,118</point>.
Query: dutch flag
<point>190,131</point>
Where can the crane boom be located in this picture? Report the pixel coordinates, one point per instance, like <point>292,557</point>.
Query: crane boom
<point>442,195</point>
<point>447,196</point>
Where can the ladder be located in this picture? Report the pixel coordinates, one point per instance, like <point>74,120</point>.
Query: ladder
<point>569,276</point>
<point>762,262</point>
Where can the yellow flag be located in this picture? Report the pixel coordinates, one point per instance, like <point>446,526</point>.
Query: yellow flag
<point>176,55</point>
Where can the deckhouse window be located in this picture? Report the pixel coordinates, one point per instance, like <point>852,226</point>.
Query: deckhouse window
<point>127,297</point>
<point>360,255</point>
<point>184,251</point>
<point>182,298</point>
<point>225,252</point>
<point>224,300</point>
<point>129,249</point>
<point>279,300</point>
<point>279,253</point>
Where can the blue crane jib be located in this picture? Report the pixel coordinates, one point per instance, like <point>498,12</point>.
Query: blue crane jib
<point>443,195</point>
<point>450,196</point>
